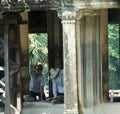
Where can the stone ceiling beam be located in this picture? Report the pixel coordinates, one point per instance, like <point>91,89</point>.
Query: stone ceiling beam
<point>26,5</point>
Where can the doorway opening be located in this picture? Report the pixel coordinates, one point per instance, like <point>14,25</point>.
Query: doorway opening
<point>38,54</point>
<point>38,44</point>
<point>40,24</point>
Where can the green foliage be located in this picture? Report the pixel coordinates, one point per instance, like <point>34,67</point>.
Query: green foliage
<point>38,48</point>
<point>114,73</point>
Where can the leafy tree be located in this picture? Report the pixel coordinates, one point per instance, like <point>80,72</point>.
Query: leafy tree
<point>114,72</point>
<point>38,48</point>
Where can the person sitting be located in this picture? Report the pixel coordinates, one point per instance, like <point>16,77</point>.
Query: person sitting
<point>36,87</point>
<point>57,85</point>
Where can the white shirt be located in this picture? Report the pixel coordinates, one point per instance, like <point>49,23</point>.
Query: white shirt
<point>58,84</point>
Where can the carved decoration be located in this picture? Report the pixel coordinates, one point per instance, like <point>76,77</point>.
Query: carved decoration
<point>67,16</point>
<point>17,5</point>
<point>21,5</point>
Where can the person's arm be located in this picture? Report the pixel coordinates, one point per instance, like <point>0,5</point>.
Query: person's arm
<point>31,70</point>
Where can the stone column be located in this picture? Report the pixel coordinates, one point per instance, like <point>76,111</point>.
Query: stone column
<point>88,59</point>
<point>23,28</point>
<point>104,54</point>
<point>70,73</point>
<point>91,60</point>
<point>79,39</point>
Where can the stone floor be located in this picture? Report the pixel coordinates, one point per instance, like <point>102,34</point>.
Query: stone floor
<point>111,108</point>
<point>42,108</point>
<point>48,108</point>
<point>105,108</point>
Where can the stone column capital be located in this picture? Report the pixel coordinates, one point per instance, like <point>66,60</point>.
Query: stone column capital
<point>90,12</point>
<point>67,16</point>
<point>83,13</point>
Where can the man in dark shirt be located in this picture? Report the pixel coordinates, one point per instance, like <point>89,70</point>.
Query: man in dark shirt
<point>36,87</point>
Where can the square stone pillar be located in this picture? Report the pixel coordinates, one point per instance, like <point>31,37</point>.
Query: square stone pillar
<point>88,60</point>
<point>70,73</point>
<point>23,28</point>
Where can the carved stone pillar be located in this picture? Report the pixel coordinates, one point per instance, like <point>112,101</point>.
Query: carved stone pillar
<point>70,71</point>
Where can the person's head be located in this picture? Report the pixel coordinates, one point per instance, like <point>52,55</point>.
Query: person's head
<point>39,69</point>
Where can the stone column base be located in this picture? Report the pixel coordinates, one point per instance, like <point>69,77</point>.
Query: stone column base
<point>71,112</point>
